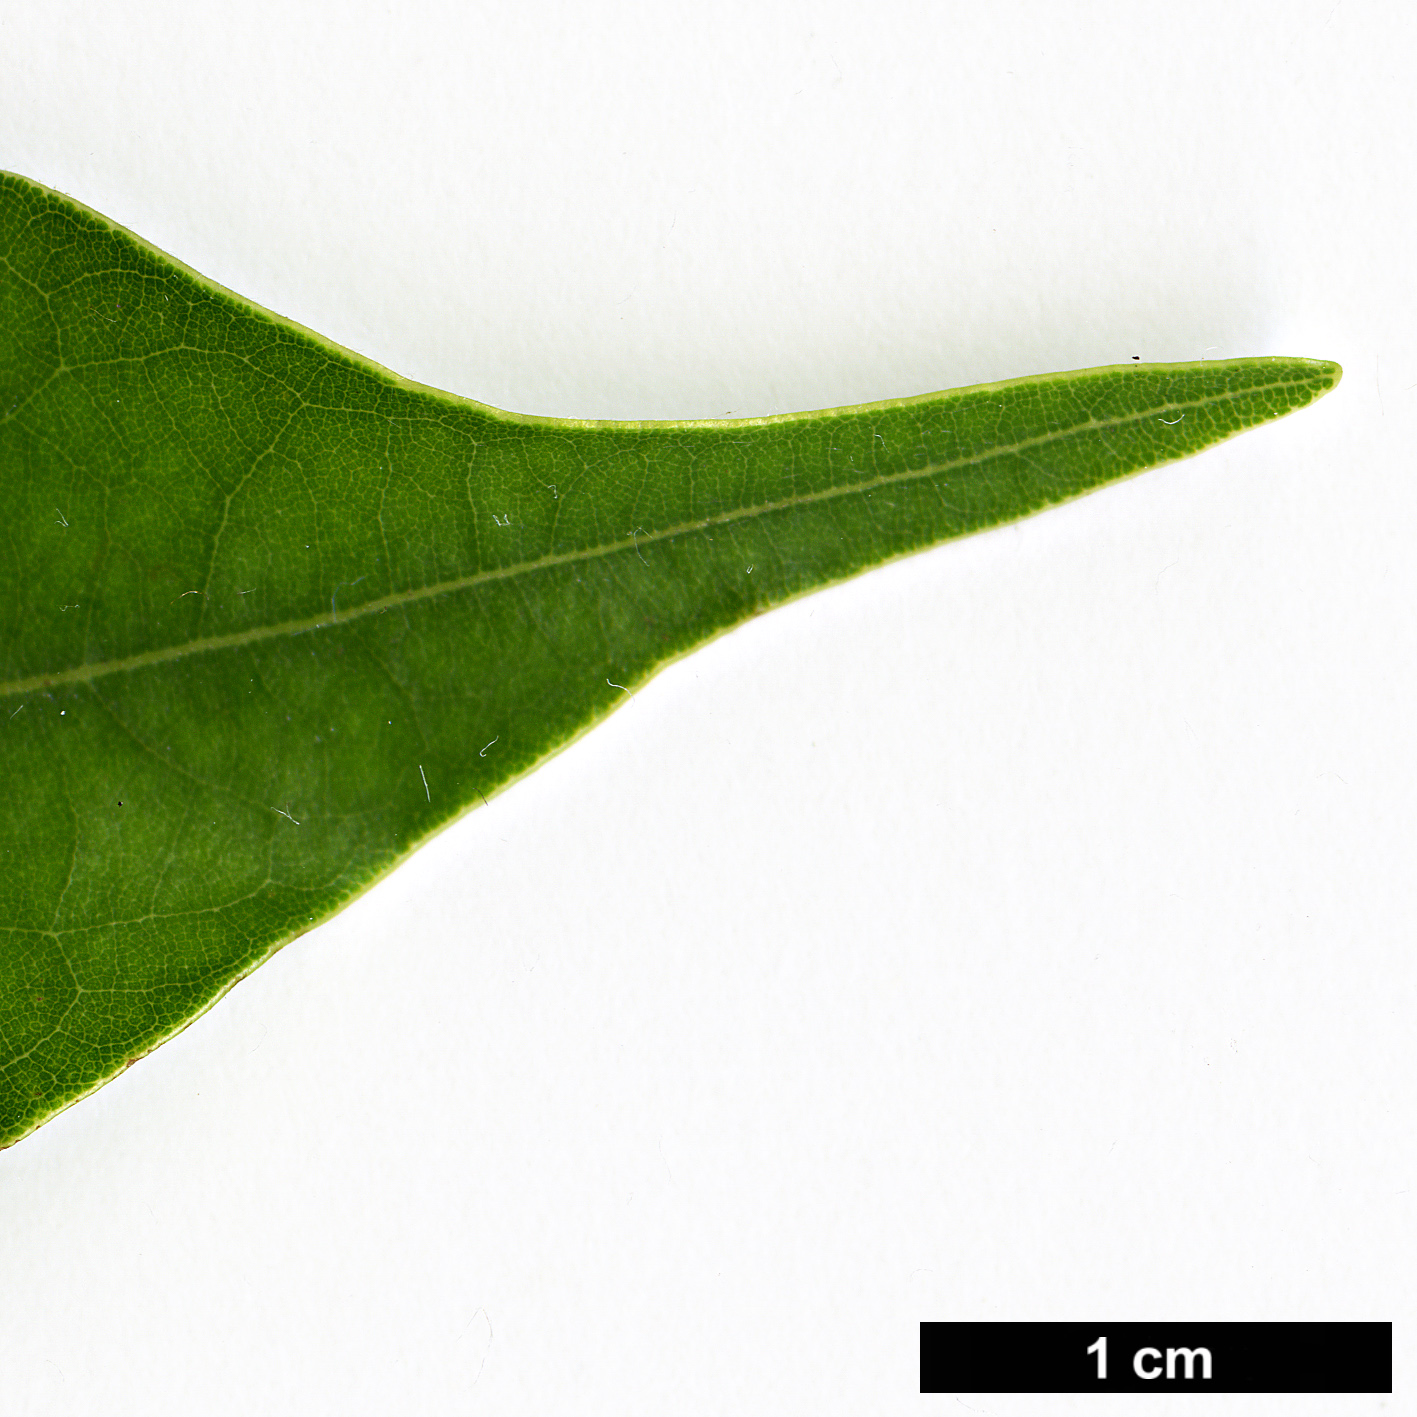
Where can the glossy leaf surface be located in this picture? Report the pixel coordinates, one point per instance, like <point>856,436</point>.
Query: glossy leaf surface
<point>272,615</point>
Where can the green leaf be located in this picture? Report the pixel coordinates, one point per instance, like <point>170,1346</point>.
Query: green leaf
<point>273,615</point>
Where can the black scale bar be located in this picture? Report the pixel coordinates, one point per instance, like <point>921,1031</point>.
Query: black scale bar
<point>1160,1357</point>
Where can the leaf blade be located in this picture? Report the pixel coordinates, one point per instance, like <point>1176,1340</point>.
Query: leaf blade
<point>295,613</point>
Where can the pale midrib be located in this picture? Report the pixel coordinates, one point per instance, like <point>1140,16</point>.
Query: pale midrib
<point>85,673</point>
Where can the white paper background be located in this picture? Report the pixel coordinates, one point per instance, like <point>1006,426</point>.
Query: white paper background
<point>1023,931</point>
